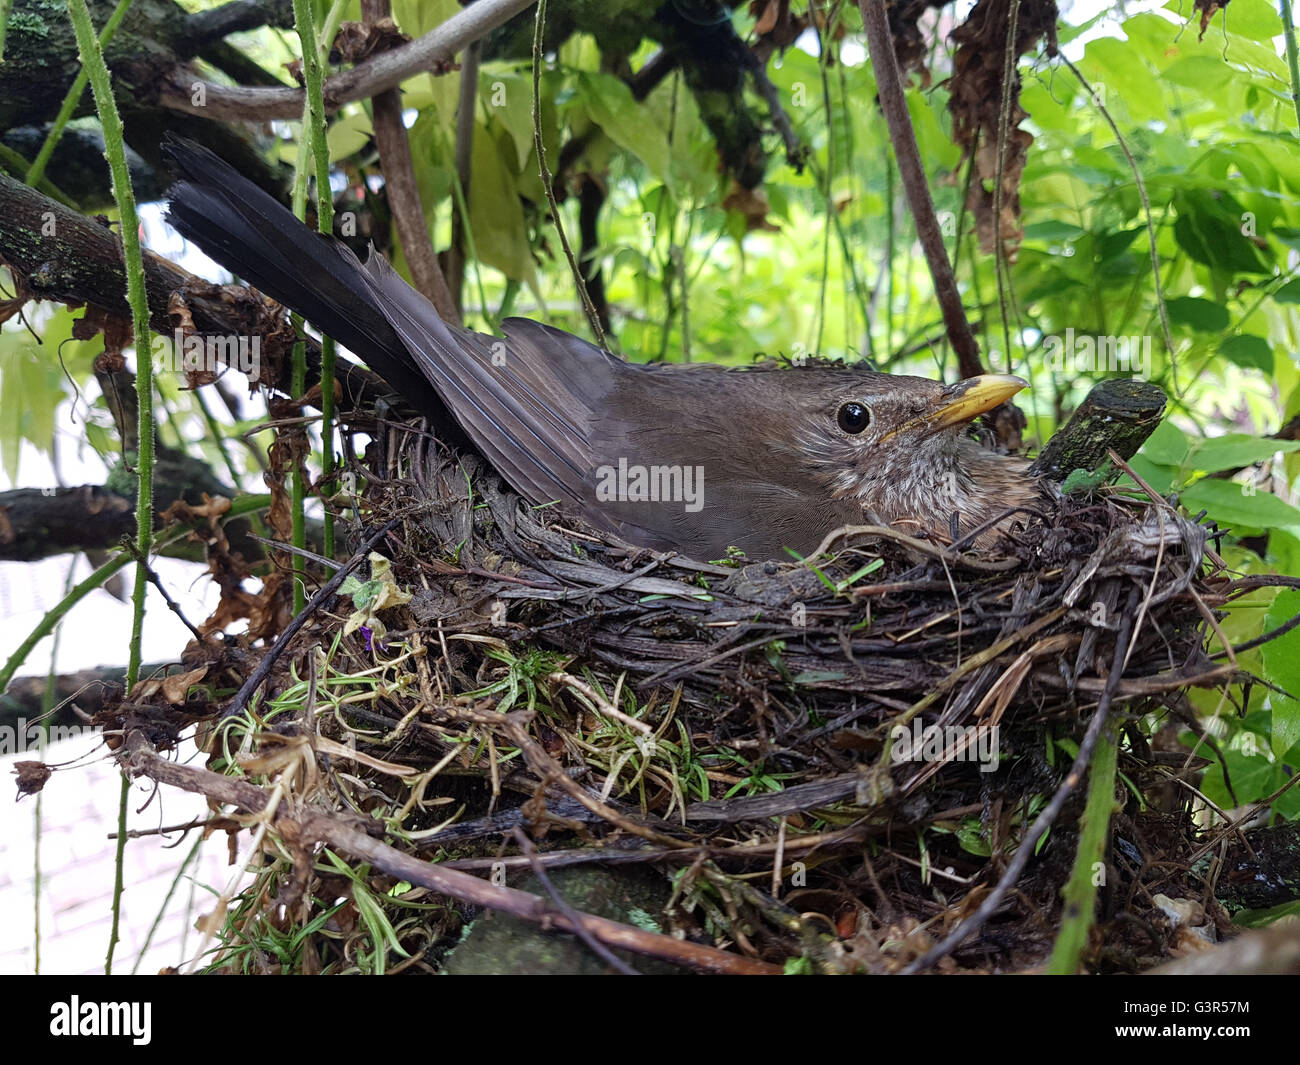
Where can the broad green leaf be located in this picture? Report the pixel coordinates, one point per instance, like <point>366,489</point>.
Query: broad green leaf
<point>1255,19</point>
<point>1122,79</point>
<point>1234,450</point>
<point>610,103</point>
<point>1160,478</point>
<point>348,136</point>
<point>1052,231</point>
<point>1248,351</point>
<point>496,215</point>
<point>30,391</point>
<point>1207,73</point>
<point>1235,506</point>
<point>508,98</point>
<point>1288,293</point>
<point>1203,315</point>
<point>1209,230</point>
<point>1166,446</point>
<point>1110,245</point>
<point>1252,776</point>
<point>1281,659</point>
<point>418,17</point>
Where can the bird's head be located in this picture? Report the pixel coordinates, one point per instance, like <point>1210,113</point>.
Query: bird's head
<point>898,445</point>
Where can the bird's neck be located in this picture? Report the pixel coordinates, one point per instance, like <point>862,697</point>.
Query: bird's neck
<point>920,492</point>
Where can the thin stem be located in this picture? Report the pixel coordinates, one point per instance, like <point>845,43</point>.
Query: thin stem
<point>314,134</point>
<point>893,102</point>
<point>92,61</point>
<point>1080,892</point>
<point>548,181</point>
<point>1288,32</point>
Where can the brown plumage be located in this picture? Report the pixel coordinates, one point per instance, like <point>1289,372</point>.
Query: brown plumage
<point>689,458</point>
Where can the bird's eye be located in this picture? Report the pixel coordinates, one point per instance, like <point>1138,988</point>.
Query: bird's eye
<point>853,418</point>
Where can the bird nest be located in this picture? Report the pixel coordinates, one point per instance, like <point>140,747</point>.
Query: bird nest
<point>870,735</point>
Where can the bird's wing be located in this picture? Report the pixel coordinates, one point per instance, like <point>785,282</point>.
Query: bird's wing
<point>526,401</point>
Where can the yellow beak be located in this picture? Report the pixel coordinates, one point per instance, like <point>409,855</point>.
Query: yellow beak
<point>963,402</point>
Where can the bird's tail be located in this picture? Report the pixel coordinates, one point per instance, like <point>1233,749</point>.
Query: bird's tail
<point>526,400</point>
<point>254,237</point>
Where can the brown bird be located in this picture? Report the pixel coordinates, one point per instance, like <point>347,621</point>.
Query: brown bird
<point>694,458</point>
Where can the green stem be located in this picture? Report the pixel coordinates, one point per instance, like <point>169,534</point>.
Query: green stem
<point>37,170</point>
<point>1089,867</point>
<point>241,506</point>
<point>5,7</point>
<point>1288,32</point>
<point>314,134</point>
<point>92,61</point>
<point>47,707</point>
<point>298,385</point>
<point>48,623</point>
<point>13,162</point>
<point>162,910</point>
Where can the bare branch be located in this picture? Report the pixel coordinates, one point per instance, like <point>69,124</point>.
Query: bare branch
<point>403,190</point>
<point>434,51</point>
<point>889,85</point>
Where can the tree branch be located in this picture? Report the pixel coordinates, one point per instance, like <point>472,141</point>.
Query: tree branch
<point>352,836</point>
<point>59,255</point>
<point>206,27</point>
<point>434,51</point>
<point>403,190</point>
<point>889,85</point>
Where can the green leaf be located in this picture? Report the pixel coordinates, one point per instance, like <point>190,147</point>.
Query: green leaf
<point>30,391</point>
<point>1233,505</point>
<point>496,215</point>
<point>1281,658</point>
<point>1248,351</point>
<point>1109,245</point>
<point>1204,72</point>
<point>1289,236</point>
<point>1203,315</point>
<point>1051,231</point>
<point>508,98</point>
<point>418,17</point>
<point>1252,777</point>
<point>348,136</point>
<point>1160,478</point>
<point>612,107</point>
<point>1209,230</point>
<point>1259,918</point>
<point>1167,446</point>
<point>1234,450</point>
<point>1288,293</point>
<point>1254,19</point>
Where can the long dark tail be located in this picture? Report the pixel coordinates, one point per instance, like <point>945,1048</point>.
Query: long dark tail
<point>526,401</point>
<point>258,240</point>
